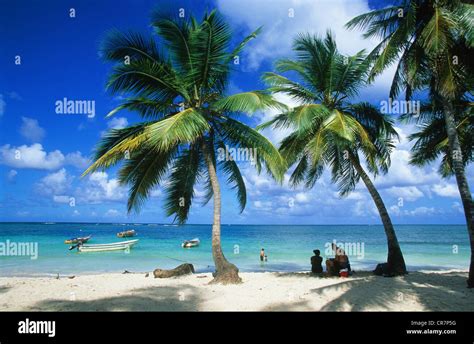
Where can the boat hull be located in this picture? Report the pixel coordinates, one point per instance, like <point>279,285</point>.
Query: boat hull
<point>126,234</point>
<point>190,243</point>
<point>77,240</point>
<point>120,246</point>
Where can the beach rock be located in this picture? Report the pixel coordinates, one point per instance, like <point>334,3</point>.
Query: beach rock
<point>183,269</point>
<point>383,269</point>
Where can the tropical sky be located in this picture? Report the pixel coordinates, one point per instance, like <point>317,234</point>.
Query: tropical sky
<point>50,52</point>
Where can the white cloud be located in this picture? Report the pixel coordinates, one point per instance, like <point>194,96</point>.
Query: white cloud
<point>117,123</point>
<point>31,130</point>
<point>99,188</point>
<point>280,29</point>
<point>11,175</point>
<point>278,134</point>
<point>303,197</point>
<point>36,157</point>
<point>30,157</point>
<point>55,183</point>
<point>457,207</point>
<point>76,159</point>
<point>446,190</point>
<point>407,193</point>
<point>422,211</point>
<point>61,199</point>
<point>112,213</point>
<point>401,173</point>
<point>365,209</point>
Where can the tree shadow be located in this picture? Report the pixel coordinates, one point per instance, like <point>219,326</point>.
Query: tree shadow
<point>435,292</point>
<point>182,298</point>
<point>4,288</point>
<point>363,291</point>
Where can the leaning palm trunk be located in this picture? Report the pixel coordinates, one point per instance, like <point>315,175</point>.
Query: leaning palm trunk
<point>395,260</point>
<point>226,273</point>
<point>463,186</point>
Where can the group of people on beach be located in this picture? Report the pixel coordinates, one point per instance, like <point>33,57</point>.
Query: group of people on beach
<point>334,266</point>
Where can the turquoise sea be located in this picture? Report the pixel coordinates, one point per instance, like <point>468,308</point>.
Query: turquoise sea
<point>288,247</point>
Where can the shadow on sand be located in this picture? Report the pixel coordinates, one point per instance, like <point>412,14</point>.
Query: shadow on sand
<point>435,292</point>
<point>4,289</point>
<point>184,298</point>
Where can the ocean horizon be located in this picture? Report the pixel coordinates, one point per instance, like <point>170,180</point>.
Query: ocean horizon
<point>288,247</point>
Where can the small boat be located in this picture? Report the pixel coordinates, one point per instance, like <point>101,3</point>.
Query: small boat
<point>117,246</point>
<point>125,234</point>
<point>190,243</point>
<point>77,240</point>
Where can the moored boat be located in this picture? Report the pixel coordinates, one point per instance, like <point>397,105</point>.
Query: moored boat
<point>125,234</point>
<point>77,240</point>
<point>117,246</point>
<point>190,243</point>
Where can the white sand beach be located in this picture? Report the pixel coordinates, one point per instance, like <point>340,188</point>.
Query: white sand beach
<point>418,291</point>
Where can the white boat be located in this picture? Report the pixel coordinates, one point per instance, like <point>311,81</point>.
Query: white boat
<point>190,243</point>
<point>117,246</point>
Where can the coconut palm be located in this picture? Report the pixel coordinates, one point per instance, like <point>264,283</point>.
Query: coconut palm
<point>431,141</point>
<point>330,131</point>
<point>187,118</point>
<point>424,36</point>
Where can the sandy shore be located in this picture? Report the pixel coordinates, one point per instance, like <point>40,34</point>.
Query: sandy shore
<point>418,291</point>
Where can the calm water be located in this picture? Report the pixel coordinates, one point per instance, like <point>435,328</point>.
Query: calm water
<point>288,247</point>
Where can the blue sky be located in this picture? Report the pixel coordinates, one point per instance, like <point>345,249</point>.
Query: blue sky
<point>59,59</point>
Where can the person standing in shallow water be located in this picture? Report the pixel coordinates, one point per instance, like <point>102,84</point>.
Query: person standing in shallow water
<point>262,255</point>
<point>316,262</point>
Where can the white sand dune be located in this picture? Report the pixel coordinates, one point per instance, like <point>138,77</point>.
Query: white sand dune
<point>418,291</point>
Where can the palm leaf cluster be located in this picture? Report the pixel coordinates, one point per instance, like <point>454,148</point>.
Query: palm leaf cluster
<point>181,97</point>
<point>431,139</point>
<point>427,39</point>
<point>327,129</point>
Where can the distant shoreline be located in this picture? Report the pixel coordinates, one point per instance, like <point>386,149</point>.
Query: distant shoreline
<point>229,224</point>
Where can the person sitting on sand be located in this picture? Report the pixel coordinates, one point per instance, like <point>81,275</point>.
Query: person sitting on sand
<point>316,261</point>
<point>262,255</point>
<point>339,262</point>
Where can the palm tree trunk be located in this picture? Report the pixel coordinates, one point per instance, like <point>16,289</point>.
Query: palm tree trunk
<point>395,260</point>
<point>463,186</point>
<point>226,272</point>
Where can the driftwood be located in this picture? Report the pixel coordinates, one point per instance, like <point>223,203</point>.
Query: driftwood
<point>183,269</point>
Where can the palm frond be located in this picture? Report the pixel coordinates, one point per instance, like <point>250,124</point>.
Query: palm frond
<point>182,180</point>
<point>248,102</point>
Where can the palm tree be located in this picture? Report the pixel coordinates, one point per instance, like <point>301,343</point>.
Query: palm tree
<point>425,37</point>
<point>187,118</point>
<point>431,141</point>
<point>328,130</point>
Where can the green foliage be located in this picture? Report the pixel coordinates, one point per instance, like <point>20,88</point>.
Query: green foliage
<point>327,129</point>
<point>178,86</point>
